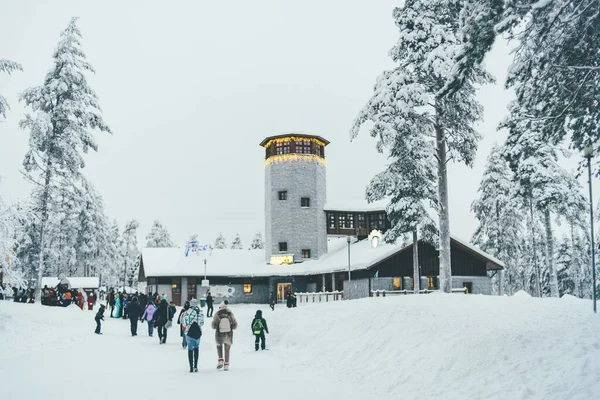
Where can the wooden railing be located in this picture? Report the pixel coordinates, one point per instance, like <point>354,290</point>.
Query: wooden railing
<point>319,297</point>
<point>384,293</point>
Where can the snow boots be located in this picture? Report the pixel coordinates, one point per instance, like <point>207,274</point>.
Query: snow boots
<point>220,363</point>
<point>193,359</point>
<point>226,367</point>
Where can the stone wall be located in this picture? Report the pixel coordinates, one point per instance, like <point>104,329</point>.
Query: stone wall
<point>481,284</point>
<point>286,221</point>
<point>356,289</point>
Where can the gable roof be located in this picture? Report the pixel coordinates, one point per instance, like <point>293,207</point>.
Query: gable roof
<point>77,282</point>
<point>172,262</point>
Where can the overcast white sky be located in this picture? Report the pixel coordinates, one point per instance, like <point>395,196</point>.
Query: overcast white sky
<point>190,88</point>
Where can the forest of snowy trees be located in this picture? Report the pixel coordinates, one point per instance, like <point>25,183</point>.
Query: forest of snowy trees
<point>423,114</point>
<point>532,211</point>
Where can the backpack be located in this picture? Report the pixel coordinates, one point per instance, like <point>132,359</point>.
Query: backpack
<point>257,326</point>
<point>194,332</point>
<point>224,324</point>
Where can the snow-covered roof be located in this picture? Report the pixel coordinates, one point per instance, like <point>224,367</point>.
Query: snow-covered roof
<point>92,282</point>
<point>159,262</point>
<point>356,206</point>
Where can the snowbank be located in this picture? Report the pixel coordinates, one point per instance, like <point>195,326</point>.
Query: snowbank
<point>426,346</point>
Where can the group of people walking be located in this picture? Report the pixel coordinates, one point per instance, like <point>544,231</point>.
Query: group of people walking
<point>159,313</point>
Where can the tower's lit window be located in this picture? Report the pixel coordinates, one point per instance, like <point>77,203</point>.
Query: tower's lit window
<point>282,246</point>
<point>286,148</point>
<point>283,195</point>
<point>306,253</point>
<point>279,148</point>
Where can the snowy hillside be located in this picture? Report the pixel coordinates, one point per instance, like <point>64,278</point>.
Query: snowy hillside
<point>429,346</point>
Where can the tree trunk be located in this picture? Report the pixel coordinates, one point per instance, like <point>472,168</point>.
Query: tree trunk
<point>575,264</point>
<point>444,214</point>
<point>43,221</point>
<point>538,282</point>
<point>416,274</point>
<point>550,249</point>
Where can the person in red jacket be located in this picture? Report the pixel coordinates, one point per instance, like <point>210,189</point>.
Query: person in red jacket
<point>79,300</point>
<point>90,302</point>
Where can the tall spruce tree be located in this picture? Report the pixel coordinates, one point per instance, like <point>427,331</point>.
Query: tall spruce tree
<point>159,236</point>
<point>500,229</point>
<point>220,242</point>
<point>257,242</point>
<point>8,67</point>
<point>406,100</point>
<point>130,252</point>
<point>65,113</point>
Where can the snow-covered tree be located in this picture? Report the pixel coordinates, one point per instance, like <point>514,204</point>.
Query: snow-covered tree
<point>8,67</point>
<point>159,236</point>
<point>12,275</point>
<point>111,271</point>
<point>220,242</point>
<point>130,253</point>
<point>193,238</point>
<point>257,242</point>
<point>406,101</point>
<point>500,231</point>
<point>65,114</point>
<point>236,243</point>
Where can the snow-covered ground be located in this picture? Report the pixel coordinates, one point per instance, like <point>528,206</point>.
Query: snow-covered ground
<point>428,346</point>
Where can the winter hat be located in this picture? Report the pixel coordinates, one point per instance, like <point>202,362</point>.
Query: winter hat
<point>186,305</point>
<point>102,306</point>
<point>193,303</point>
<point>223,304</point>
<point>258,314</point>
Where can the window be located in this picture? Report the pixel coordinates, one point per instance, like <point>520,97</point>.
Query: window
<point>361,221</point>
<point>286,148</point>
<point>349,220</point>
<point>176,289</point>
<point>247,288</point>
<point>305,253</point>
<point>303,146</point>
<point>283,195</point>
<point>381,221</point>
<point>330,220</point>
<point>319,150</point>
<point>304,202</point>
<point>430,283</point>
<point>282,246</point>
<point>279,148</point>
<point>412,283</point>
<point>397,283</point>
<point>342,220</point>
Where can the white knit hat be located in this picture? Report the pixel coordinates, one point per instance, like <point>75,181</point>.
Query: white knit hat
<point>194,303</point>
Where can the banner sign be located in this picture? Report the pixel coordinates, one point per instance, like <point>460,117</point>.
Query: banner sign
<point>222,291</point>
<point>195,247</point>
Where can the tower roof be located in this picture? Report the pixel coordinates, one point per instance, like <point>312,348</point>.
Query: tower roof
<point>293,134</point>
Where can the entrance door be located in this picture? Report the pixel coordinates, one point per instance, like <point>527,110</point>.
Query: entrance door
<point>283,289</point>
<point>176,291</point>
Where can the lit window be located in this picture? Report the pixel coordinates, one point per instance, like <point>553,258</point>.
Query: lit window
<point>282,246</point>
<point>342,220</point>
<point>304,202</point>
<point>283,195</point>
<point>279,148</point>
<point>430,283</point>
<point>412,283</point>
<point>306,253</point>
<point>286,148</point>
<point>397,283</point>
<point>349,220</point>
<point>247,288</point>
<point>330,220</point>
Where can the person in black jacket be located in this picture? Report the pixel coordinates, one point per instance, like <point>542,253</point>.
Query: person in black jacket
<point>99,317</point>
<point>209,304</point>
<point>259,327</point>
<point>133,311</point>
<point>161,315</point>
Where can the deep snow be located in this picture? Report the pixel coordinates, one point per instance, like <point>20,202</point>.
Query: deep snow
<point>426,346</point>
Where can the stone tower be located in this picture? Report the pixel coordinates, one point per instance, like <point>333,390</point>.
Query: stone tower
<point>295,192</point>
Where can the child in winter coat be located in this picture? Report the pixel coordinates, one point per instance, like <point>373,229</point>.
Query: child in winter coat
<point>259,327</point>
<point>148,314</point>
<point>192,322</point>
<point>224,323</point>
<point>99,317</point>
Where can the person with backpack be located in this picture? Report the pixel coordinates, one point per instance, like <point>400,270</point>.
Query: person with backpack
<point>99,317</point>
<point>186,307</point>
<point>224,323</point>
<point>160,320</point>
<point>192,322</point>
<point>259,327</point>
